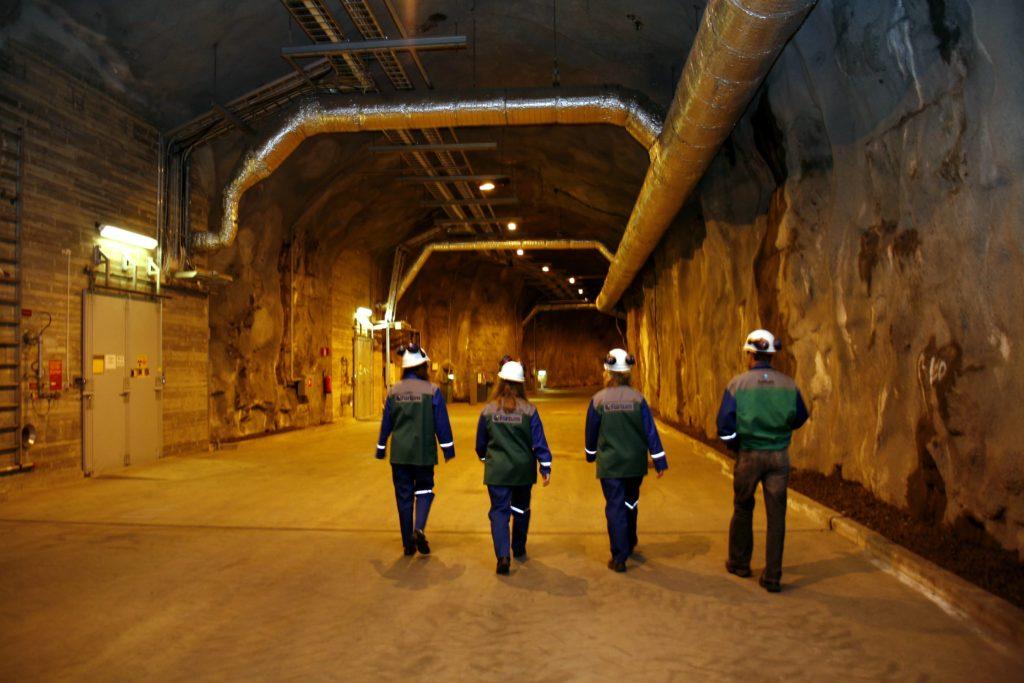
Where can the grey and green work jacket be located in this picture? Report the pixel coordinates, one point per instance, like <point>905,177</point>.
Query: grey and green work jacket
<point>414,414</point>
<point>620,433</point>
<point>512,444</point>
<point>760,409</point>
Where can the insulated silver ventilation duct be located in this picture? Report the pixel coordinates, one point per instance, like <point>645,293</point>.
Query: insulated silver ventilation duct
<point>735,47</point>
<point>457,110</point>
<point>495,245</point>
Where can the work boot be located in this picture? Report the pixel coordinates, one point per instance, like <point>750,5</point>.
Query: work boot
<point>619,567</point>
<point>503,566</point>
<point>409,550</point>
<point>769,585</point>
<point>421,542</point>
<point>519,554</point>
<point>742,572</point>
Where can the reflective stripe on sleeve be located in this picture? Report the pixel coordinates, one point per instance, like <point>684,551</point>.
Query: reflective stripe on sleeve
<point>590,452</point>
<point>728,438</point>
<point>546,464</point>
<point>448,445</point>
<point>380,448</point>
<point>659,455</point>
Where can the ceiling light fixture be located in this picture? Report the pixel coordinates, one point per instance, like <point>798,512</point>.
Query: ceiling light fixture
<point>519,252</point>
<point>135,239</point>
<point>486,186</point>
<point>545,269</point>
<point>580,290</point>
<point>512,226</point>
<point>572,281</point>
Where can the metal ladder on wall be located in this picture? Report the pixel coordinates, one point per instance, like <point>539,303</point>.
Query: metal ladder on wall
<point>11,455</point>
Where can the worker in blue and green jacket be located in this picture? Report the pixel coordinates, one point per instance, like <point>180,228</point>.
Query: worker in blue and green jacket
<point>759,411</point>
<point>620,432</point>
<point>510,441</point>
<point>414,416</point>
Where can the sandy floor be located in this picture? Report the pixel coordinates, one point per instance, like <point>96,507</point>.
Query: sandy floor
<point>280,560</point>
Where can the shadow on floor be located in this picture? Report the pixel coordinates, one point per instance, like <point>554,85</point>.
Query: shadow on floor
<point>418,572</point>
<point>534,575</point>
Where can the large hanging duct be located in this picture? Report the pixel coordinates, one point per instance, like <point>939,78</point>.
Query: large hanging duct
<point>495,245</point>
<point>479,108</point>
<point>735,47</point>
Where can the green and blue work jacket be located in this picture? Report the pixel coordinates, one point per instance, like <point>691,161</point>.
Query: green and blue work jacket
<point>512,444</point>
<point>760,410</point>
<point>415,415</point>
<point>620,431</point>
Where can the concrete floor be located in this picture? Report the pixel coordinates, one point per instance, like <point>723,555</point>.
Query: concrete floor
<point>280,560</point>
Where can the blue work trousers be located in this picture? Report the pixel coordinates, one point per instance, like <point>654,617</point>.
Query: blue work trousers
<point>622,496</point>
<point>509,502</point>
<point>414,489</point>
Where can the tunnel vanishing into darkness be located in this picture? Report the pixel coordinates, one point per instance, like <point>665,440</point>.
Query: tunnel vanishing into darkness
<point>325,181</point>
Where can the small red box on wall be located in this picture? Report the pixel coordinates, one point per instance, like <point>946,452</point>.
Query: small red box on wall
<point>56,375</point>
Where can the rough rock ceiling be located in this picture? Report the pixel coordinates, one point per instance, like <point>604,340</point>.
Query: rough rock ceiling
<point>175,60</point>
<point>162,54</point>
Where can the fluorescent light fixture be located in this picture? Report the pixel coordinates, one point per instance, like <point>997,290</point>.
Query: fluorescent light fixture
<point>512,226</point>
<point>545,269</point>
<point>486,186</point>
<point>519,252</point>
<point>135,239</point>
<point>398,325</point>
<point>363,315</point>
<point>572,281</point>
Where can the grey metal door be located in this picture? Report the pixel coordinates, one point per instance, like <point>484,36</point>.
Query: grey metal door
<point>106,383</point>
<point>121,411</point>
<point>144,385</point>
<point>362,378</point>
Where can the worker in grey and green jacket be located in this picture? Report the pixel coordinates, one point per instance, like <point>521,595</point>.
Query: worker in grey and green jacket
<point>759,411</point>
<point>415,415</point>
<point>619,434</point>
<point>510,441</point>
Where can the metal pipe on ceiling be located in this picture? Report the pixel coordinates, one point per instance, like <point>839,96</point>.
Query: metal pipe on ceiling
<point>610,106</point>
<point>494,245</point>
<point>735,47</point>
<point>565,306</point>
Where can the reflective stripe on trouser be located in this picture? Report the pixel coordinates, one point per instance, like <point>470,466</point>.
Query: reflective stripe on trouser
<point>622,518</point>
<point>509,502</point>
<point>414,489</point>
<point>771,470</point>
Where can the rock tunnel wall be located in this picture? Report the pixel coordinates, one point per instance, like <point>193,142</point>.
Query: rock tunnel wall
<point>467,311</point>
<point>867,209</point>
<point>570,346</point>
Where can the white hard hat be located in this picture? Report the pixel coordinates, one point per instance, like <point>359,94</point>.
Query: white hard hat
<point>761,341</point>
<point>413,356</point>
<point>512,371</point>
<point>619,360</point>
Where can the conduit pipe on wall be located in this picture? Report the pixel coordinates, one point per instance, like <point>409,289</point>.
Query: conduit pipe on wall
<point>494,245</point>
<point>735,47</point>
<point>611,106</point>
<point>563,306</point>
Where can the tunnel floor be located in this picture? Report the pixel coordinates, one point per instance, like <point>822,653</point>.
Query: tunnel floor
<point>280,559</point>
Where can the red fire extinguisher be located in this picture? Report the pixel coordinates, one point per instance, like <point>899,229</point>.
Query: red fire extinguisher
<point>328,389</point>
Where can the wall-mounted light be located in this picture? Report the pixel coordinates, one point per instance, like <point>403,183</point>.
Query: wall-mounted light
<point>572,281</point>
<point>486,186</point>
<point>519,252</point>
<point>545,269</point>
<point>363,316</point>
<point>512,226</point>
<point>135,239</point>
